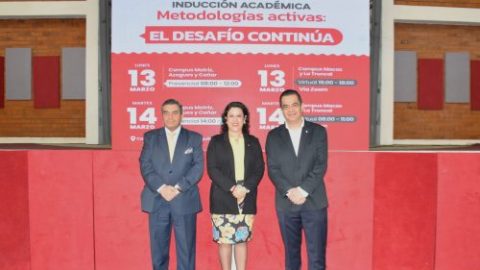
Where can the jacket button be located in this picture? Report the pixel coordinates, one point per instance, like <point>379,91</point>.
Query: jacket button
<point>170,172</point>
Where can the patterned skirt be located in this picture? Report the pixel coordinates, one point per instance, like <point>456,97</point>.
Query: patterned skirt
<point>232,229</point>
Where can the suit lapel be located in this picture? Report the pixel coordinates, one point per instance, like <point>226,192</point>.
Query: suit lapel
<point>287,140</point>
<point>163,144</point>
<point>305,138</point>
<point>229,154</point>
<point>181,145</point>
<point>248,147</point>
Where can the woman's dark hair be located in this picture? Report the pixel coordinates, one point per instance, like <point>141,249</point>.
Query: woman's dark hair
<point>240,105</point>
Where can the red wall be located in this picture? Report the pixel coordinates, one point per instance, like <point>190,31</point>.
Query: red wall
<point>61,209</point>
<point>14,212</point>
<point>405,211</point>
<point>458,212</point>
<point>81,210</point>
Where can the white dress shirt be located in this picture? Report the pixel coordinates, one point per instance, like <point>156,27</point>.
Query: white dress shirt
<point>175,134</point>
<point>295,136</point>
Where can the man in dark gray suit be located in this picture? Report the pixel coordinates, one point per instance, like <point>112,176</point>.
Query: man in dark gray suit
<point>297,161</point>
<point>171,164</point>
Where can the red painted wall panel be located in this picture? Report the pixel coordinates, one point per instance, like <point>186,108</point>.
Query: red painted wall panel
<point>46,81</point>
<point>2,81</point>
<point>458,230</point>
<point>405,211</point>
<point>350,186</point>
<point>121,229</point>
<point>431,89</point>
<point>61,210</point>
<point>475,84</point>
<point>14,222</point>
<point>382,214</point>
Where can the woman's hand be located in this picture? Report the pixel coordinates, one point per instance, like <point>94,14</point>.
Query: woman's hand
<point>239,192</point>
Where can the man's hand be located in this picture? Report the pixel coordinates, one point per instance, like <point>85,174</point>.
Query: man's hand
<point>169,192</point>
<point>296,196</point>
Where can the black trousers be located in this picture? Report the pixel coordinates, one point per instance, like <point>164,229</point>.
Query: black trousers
<point>314,224</point>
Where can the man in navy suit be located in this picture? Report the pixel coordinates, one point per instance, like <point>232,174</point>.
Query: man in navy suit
<point>171,164</point>
<point>297,161</point>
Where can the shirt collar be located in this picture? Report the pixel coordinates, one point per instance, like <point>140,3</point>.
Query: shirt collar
<point>301,126</point>
<point>175,132</point>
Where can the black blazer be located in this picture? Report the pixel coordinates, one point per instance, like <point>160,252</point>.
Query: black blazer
<point>221,170</point>
<point>286,170</point>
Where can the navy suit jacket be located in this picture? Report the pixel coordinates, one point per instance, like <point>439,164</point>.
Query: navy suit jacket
<point>287,170</point>
<point>185,171</point>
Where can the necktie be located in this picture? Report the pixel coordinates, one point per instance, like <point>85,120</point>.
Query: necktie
<point>171,144</point>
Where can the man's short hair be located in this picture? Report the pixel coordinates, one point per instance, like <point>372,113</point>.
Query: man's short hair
<point>290,92</point>
<point>172,101</point>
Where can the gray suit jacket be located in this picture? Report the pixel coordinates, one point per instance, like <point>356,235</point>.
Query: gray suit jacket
<point>185,171</point>
<point>286,170</point>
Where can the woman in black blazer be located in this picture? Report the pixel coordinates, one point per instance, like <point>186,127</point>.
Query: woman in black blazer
<point>235,165</point>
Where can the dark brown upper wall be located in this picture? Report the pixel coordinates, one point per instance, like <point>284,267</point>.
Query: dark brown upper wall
<point>434,40</point>
<point>46,37</point>
<point>454,121</point>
